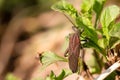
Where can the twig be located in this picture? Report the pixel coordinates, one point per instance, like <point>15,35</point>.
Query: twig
<point>89,75</point>
<point>69,20</point>
<point>108,71</point>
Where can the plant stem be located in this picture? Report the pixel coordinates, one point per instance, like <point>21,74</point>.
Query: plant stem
<point>108,71</point>
<point>95,25</point>
<point>70,20</point>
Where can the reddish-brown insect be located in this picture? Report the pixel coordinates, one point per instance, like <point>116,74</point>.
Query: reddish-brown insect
<point>73,51</point>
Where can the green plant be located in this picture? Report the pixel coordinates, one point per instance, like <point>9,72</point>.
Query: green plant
<point>103,24</point>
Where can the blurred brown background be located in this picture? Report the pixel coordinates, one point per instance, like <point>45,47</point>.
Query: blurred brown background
<point>27,28</point>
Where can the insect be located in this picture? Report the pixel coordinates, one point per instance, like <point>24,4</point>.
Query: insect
<point>73,51</point>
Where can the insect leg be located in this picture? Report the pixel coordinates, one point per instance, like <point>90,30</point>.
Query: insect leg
<point>66,52</point>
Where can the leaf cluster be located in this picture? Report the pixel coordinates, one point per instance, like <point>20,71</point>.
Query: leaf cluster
<point>101,31</point>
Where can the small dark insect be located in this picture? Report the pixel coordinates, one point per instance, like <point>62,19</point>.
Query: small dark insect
<point>73,51</point>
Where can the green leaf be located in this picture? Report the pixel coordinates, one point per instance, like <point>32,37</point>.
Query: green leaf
<point>91,34</point>
<point>113,42</point>
<point>115,35</point>
<point>86,5</point>
<point>97,7</point>
<point>48,58</point>
<point>108,15</point>
<point>115,31</point>
<point>66,8</point>
<point>86,11</point>
<point>101,43</point>
<point>52,76</point>
<point>94,45</point>
<point>86,21</point>
<point>88,31</point>
<point>61,76</point>
<point>111,25</point>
